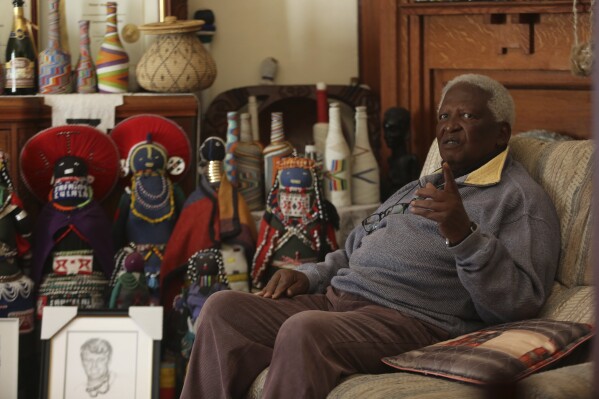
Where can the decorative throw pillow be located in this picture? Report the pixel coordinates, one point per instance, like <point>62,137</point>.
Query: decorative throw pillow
<point>497,354</point>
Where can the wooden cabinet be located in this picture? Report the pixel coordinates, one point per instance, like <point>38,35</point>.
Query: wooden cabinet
<point>409,50</point>
<point>23,116</point>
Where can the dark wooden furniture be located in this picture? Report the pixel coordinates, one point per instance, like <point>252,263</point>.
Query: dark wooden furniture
<point>409,50</point>
<point>23,116</point>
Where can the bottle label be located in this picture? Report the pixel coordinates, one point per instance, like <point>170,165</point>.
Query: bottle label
<point>20,73</point>
<point>19,34</point>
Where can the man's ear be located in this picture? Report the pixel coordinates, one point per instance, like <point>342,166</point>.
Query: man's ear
<point>505,132</point>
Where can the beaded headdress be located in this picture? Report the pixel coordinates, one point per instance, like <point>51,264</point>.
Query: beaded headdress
<point>165,133</point>
<point>42,151</point>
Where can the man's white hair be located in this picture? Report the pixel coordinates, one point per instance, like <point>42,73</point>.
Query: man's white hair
<point>501,103</point>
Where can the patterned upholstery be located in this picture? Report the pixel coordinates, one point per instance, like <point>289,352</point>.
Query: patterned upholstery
<point>563,168</point>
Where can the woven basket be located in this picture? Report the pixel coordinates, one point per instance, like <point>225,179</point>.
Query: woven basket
<point>176,62</point>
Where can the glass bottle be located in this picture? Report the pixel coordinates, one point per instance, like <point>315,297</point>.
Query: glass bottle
<point>112,62</point>
<point>250,166</point>
<point>365,179</point>
<point>337,161</point>
<point>277,149</point>
<point>20,56</point>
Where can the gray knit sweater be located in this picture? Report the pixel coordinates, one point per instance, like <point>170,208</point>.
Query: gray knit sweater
<point>501,272</point>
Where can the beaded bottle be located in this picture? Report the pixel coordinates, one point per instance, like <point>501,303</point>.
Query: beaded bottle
<point>250,166</point>
<point>230,165</point>
<point>365,178</point>
<point>54,64</point>
<point>337,163</point>
<point>86,78</point>
<point>277,149</point>
<point>112,62</point>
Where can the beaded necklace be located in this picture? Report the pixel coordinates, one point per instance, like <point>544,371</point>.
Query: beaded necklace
<point>137,196</point>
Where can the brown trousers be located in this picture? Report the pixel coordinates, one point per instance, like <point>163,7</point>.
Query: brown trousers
<point>310,342</point>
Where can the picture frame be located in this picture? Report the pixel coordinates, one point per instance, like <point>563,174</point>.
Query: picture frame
<point>105,353</point>
<point>9,357</point>
<point>130,15</point>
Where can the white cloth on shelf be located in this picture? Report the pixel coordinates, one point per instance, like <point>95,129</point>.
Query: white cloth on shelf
<point>97,110</point>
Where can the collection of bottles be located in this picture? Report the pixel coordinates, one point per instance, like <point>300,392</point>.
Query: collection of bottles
<point>350,174</point>
<point>50,71</point>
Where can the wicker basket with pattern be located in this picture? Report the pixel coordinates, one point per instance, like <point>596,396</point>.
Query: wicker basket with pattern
<point>176,62</point>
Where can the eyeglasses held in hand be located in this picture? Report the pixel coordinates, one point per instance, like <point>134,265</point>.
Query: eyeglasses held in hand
<point>372,222</point>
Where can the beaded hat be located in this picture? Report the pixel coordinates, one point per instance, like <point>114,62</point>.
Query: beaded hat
<point>42,151</point>
<point>135,130</point>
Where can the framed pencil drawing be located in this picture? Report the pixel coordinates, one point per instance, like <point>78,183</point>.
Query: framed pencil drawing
<point>9,357</point>
<point>107,354</point>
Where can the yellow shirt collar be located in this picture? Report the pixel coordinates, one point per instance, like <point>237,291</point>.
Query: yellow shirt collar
<point>486,175</point>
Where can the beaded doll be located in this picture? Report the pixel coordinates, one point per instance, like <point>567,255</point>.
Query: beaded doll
<point>214,216</point>
<point>129,286</point>
<point>298,225</point>
<point>16,289</point>
<point>155,152</point>
<point>71,167</point>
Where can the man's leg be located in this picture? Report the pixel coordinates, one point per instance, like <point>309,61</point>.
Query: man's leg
<point>315,349</point>
<point>234,341</point>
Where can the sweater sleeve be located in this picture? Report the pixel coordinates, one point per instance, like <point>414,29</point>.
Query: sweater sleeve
<point>320,274</point>
<point>509,276</point>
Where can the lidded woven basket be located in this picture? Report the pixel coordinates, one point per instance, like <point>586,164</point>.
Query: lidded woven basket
<point>176,62</point>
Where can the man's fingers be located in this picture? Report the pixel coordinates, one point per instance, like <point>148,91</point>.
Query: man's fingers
<point>450,184</point>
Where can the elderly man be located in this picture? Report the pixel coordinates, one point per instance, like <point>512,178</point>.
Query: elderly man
<point>473,245</point>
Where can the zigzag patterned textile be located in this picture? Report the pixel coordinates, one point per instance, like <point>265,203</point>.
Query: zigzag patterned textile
<point>112,63</point>
<point>54,64</point>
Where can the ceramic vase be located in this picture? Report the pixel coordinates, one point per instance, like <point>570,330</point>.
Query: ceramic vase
<point>365,178</point>
<point>230,165</point>
<point>86,79</point>
<point>277,149</point>
<point>337,161</point>
<point>250,166</point>
<point>54,64</point>
<point>321,127</point>
<point>112,62</point>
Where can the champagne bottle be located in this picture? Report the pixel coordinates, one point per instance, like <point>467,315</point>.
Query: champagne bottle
<point>20,56</point>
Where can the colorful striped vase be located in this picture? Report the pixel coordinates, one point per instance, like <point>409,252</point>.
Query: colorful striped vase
<point>112,63</point>
<point>86,78</point>
<point>54,64</point>
<point>250,166</point>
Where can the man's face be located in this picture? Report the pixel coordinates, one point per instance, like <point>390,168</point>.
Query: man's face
<point>94,364</point>
<point>467,132</point>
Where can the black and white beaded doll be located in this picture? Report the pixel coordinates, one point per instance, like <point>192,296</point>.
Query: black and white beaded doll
<point>71,168</point>
<point>155,153</point>
<point>298,225</point>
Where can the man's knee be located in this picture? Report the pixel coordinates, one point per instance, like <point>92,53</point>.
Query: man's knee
<point>222,304</point>
<point>304,328</point>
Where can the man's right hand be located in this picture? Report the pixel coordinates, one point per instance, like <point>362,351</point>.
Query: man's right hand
<point>287,282</point>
